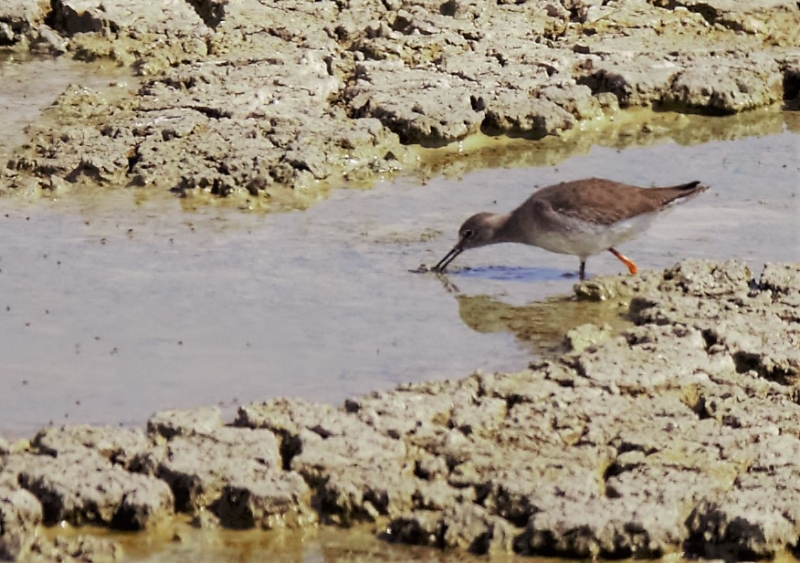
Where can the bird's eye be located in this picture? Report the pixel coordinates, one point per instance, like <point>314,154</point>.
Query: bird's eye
<point>468,233</point>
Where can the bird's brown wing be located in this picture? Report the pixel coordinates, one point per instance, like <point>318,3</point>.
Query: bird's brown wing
<point>605,202</point>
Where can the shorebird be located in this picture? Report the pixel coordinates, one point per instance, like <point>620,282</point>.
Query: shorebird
<point>583,217</point>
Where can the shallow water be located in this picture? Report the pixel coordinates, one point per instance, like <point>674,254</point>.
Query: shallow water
<point>326,544</point>
<point>119,305</point>
<point>29,83</point>
<point>116,304</point>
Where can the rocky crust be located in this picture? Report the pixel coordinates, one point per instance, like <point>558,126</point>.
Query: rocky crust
<point>678,434</point>
<point>275,101</point>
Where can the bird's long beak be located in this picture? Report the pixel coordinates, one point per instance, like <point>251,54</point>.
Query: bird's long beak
<point>449,257</point>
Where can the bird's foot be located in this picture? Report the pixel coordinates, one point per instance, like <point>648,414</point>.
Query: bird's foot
<point>625,260</point>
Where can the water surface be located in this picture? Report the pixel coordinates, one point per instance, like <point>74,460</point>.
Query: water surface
<point>117,305</point>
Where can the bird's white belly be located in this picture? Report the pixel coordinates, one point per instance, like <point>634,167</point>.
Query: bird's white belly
<point>584,239</point>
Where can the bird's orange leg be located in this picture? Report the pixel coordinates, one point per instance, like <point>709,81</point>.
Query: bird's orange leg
<point>625,260</point>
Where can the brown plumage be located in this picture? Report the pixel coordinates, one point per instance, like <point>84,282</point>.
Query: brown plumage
<point>583,217</point>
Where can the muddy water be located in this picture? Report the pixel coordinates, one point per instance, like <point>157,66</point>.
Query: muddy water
<point>111,310</point>
<point>29,83</point>
<point>180,542</point>
<point>115,306</point>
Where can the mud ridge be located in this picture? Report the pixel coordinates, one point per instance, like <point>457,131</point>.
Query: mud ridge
<point>297,96</point>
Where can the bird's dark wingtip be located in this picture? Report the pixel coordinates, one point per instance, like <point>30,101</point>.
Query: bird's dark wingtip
<point>695,185</point>
<point>691,188</point>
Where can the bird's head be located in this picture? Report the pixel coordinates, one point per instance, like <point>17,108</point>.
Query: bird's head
<point>478,230</point>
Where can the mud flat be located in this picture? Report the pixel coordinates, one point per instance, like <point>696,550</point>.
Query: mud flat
<point>276,101</point>
<point>679,434</point>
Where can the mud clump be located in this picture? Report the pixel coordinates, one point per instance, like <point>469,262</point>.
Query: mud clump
<point>275,102</point>
<point>20,514</point>
<point>678,434</point>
